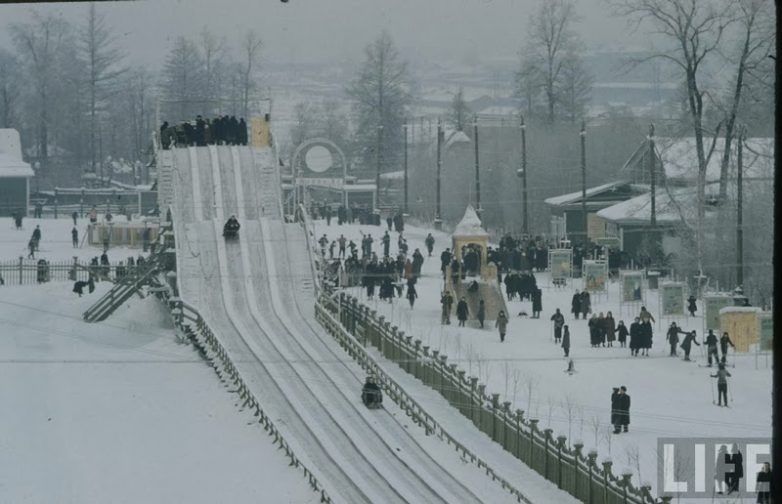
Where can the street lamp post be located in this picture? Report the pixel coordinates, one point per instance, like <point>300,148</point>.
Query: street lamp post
<point>583,180</point>
<point>478,208</point>
<point>404,127</point>
<point>523,175</point>
<point>740,209</point>
<point>438,222</point>
<point>652,177</point>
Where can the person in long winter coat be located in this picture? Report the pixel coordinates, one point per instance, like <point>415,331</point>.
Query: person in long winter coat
<point>586,304</point>
<point>736,460</point>
<point>594,332</point>
<point>601,329</point>
<point>566,340</point>
<point>429,243</point>
<point>537,302</point>
<point>623,403</point>
<point>411,294</point>
<point>445,260</point>
<point>635,337</point>
<point>764,483</point>
<point>559,322</point>
<point>462,311</point>
<point>446,300</point>
<point>646,337</point>
<point>692,307</point>
<point>621,331</point>
<point>502,324</point>
<point>481,312</point>
<point>609,326</point>
<point>687,344</point>
<point>575,304</point>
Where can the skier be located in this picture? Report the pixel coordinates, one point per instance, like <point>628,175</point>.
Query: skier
<point>446,300</point>
<point>559,322</point>
<point>502,324</point>
<point>481,312</point>
<point>566,340</point>
<point>722,384</point>
<point>686,344</point>
<point>462,311</point>
<point>429,241</point>
<point>673,337</point>
<point>724,342</point>
<point>692,307</point>
<point>575,304</point>
<point>711,346</point>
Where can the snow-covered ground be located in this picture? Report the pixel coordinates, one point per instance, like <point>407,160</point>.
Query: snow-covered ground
<point>670,397</point>
<point>118,411</point>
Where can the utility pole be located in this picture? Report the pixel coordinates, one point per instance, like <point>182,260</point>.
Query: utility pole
<point>404,128</point>
<point>524,215</point>
<point>583,135</point>
<point>377,168</point>
<point>478,208</point>
<point>438,222</point>
<point>740,210</point>
<point>652,177</point>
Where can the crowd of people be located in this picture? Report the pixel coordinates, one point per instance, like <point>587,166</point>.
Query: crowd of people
<point>221,130</point>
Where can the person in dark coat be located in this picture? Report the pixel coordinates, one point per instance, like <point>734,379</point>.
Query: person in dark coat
<point>764,483</point>
<point>566,340</point>
<point>635,337</point>
<point>74,216</point>
<point>646,338</point>
<point>609,326</point>
<point>586,304</point>
<point>724,342</point>
<point>429,241</point>
<point>575,304</point>
<point>722,384</point>
<point>242,133</point>
<point>736,459</point>
<point>623,404</point>
<point>78,287</point>
<point>445,260</point>
<point>615,411</point>
<point>462,311</point>
<point>621,332</point>
<point>537,302</point>
<point>446,302</point>
<point>692,307</point>
<point>481,312</point>
<point>672,336</point>
<point>594,331</point>
<point>411,294</point>
<point>711,346</point>
<point>559,323</point>
<point>75,237</point>
<point>687,344</point>
<point>502,324</point>
<point>37,236</point>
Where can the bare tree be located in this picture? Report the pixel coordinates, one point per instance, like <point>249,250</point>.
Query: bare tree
<point>756,22</point>
<point>381,95</point>
<point>694,30</point>
<point>576,87</point>
<point>103,65</point>
<point>10,89</point>
<point>251,55</point>
<point>529,82</point>
<point>39,44</point>
<point>551,41</point>
<point>459,113</point>
<point>183,80</point>
<point>213,53</point>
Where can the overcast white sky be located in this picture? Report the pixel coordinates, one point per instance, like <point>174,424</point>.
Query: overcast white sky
<point>314,30</point>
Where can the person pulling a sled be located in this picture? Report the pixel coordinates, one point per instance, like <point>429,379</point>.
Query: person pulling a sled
<point>231,228</point>
<point>371,395</point>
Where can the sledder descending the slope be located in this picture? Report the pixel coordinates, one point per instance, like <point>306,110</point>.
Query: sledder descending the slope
<point>231,228</point>
<point>371,395</point>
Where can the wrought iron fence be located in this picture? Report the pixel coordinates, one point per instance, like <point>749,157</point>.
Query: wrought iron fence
<point>32,271</point>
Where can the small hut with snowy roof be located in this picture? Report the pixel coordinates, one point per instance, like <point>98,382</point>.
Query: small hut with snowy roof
<point>469,233</point>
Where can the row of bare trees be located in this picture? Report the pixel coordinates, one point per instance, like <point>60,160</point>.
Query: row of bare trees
<point>76,101</point>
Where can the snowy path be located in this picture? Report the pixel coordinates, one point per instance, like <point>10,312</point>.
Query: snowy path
<point>360,456</point>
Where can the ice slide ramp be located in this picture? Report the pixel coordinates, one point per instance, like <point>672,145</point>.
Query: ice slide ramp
<point>243,290</point>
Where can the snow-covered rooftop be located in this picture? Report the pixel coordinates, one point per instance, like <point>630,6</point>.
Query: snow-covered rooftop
<point>670,206</point>
<point>470,225</point>
<point>680,158</point>
<point>566,199</point>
